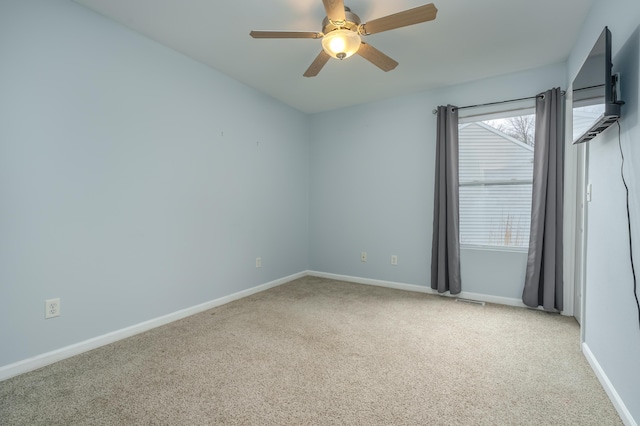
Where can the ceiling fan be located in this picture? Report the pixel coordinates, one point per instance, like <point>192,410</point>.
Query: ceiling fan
<point>342,31</point>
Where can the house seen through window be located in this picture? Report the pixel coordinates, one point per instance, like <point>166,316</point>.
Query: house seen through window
<point>496,180</point>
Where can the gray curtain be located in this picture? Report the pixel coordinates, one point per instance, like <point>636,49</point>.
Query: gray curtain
<point>543,280</point>
<point>445,248</point>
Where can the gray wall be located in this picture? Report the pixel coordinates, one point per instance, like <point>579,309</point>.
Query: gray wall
<point>612,332</point>
<point>371,190</point>
<point>134,182</point>
<point>371,187</point>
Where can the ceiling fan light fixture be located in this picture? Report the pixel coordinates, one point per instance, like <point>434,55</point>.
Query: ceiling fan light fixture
<point>341,43</point>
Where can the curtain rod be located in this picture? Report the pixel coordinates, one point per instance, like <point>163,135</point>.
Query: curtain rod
<point>589,87</point>
<point>435,111</point>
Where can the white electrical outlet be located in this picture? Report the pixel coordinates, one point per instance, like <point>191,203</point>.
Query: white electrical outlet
<point>394,259</point>
<point>363,256</point>
<point>51,308</point>
<point>258,262</point>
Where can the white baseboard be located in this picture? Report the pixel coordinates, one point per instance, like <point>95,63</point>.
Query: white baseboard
<point>45,359</point>
<point>369,281</point>
<point>421,289</point>
<point>624,414</point>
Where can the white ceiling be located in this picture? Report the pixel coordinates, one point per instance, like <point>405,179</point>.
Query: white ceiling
<point>469,40</point>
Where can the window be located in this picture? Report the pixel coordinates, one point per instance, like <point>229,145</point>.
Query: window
<point>496,180</point>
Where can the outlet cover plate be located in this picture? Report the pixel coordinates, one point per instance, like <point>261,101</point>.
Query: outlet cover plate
<point>51,308</point>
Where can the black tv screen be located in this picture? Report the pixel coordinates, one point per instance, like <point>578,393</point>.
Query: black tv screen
<point>595,92</point>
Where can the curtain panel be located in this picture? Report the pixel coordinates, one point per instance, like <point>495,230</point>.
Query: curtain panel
<point>445,247</point>
<point>543,280</point>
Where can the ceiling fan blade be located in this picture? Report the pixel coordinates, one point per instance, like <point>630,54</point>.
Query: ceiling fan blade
<point>317,64</point>
<point>401,19</point>
<point>376,57</point>
<point>335,10</point>
<point>285,34</point>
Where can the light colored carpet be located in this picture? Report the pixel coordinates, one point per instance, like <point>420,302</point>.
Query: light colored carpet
<point>316,351</point>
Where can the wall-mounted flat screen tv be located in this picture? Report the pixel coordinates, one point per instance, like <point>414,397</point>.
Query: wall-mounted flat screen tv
<point>596,103</point>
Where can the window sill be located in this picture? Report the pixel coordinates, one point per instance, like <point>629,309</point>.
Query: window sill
<point>494,248</point>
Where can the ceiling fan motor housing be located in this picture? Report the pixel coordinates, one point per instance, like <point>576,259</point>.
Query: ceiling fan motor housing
<point>352,22</point>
